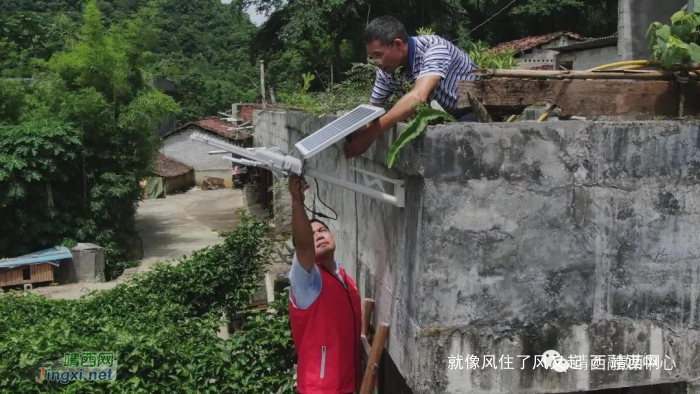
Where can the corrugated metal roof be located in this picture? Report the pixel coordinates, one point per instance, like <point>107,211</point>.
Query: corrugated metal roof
<point>589,44</point>
<point>45,256</point>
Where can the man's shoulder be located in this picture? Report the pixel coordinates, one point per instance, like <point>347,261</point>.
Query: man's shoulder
<point>428,41</point>
<point>386,75</point>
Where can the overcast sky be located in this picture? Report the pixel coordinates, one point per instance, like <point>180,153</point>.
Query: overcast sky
<point>254,16</point>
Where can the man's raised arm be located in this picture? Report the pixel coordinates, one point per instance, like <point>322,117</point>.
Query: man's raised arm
<point>301,226</point>
<point>403,110</point>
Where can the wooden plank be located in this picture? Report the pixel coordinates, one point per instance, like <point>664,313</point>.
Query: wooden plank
<point>648,75</point>
<point>38,273</point>
<point>582,98</point>
<point>11,277</point>
<point>41,273</point>
<point>375,356</point>
<point>366,347</point>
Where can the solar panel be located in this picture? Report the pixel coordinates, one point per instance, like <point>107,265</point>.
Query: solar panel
<point>338,129</point>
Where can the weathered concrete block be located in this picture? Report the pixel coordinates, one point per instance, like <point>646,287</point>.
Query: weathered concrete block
<point>518,238</point>
<point>87,265</point>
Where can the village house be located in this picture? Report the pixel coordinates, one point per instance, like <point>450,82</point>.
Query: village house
<point>537,52</point>
<point>178,146</point>
<point>584,55</point>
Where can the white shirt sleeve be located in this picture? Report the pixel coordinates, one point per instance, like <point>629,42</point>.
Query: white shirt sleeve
<point>306,286</point>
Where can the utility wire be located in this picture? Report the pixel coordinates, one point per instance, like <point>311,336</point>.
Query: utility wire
<point>493,16</point>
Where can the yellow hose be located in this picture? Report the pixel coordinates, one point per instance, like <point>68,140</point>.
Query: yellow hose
<point>512,118</point>
<point>631,67</point>
<point>546,113</point>
<point>626,63</point>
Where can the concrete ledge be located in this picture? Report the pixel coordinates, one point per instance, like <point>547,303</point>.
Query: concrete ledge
<point>520,238</point>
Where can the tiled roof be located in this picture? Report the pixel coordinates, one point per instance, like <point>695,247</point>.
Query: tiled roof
<point>168,167</point>
<point>589,44</point>
<point>524,44</point>
<point>216,126</point>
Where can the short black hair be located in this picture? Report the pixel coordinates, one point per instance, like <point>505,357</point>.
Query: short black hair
<point>386,29</point>
<point>294,243</point>
<point>318,221</point>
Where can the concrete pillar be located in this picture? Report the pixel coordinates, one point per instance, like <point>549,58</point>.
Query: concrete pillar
<point>635,17</point>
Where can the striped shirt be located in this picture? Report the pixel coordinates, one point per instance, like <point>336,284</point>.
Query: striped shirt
<point>429,55</point>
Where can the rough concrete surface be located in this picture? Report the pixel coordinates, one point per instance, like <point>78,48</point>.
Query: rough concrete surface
<point>170,228</point>
<point>634,19</point>
<point>518,238</point>
<point>179,224</point>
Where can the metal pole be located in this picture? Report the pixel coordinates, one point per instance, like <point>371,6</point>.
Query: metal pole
<point>384,197</point>
<point>691,6</point>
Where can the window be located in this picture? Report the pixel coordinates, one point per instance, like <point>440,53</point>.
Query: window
<point>26,274</point>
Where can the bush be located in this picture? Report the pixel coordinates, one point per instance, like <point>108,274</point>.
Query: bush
<point>162,327</point>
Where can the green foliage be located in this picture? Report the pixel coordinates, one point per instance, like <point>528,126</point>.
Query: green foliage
<point>38,193</point>
<point>162,327</point>
<point>354,90</point>
<point>425,31</point>
<point>28,36</point>
<point>115,269</point>
<point>483,57</point>
<point>86,185</point>
<point>308,78</point>
<point>424,116</point>
<point>202,91</point>
<point>12,94</point>
<point>676,45</point>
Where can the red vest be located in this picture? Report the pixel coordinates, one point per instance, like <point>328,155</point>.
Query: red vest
<point>327,338</point>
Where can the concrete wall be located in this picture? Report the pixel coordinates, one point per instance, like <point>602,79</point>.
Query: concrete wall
<point>635,17</point>
<point>180,147</point>
<point>589,58</point>
<point>542,55</point>
<point>87,265</point>
<point>519,238</point>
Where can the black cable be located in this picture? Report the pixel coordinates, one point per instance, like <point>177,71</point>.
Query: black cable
<point>318,195</point>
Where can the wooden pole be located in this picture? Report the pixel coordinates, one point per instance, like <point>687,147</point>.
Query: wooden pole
<point>367,308</point>
<point>537,74</point>
<point>273,100</point>
<point>262,82</point>
<point>482,115</point>
<point>375,356</point>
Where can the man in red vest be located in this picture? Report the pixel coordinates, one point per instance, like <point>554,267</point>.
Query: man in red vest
<point>324,307</point>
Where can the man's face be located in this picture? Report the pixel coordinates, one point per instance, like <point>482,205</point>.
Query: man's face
<point>323,240</point>
<point>387,57</point>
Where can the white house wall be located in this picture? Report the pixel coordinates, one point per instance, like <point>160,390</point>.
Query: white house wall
<point>180,147</point>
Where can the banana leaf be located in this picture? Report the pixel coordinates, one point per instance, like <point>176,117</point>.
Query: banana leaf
<point>414,129</point>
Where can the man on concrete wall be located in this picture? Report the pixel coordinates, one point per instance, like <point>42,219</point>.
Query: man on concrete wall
<point>433,63</point>
<point>324,307</point>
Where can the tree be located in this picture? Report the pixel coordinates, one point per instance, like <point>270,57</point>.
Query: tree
<point>306,20</point>
<point>98,87</point>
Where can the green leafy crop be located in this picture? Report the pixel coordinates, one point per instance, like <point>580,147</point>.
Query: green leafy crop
<point>676,45</point>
